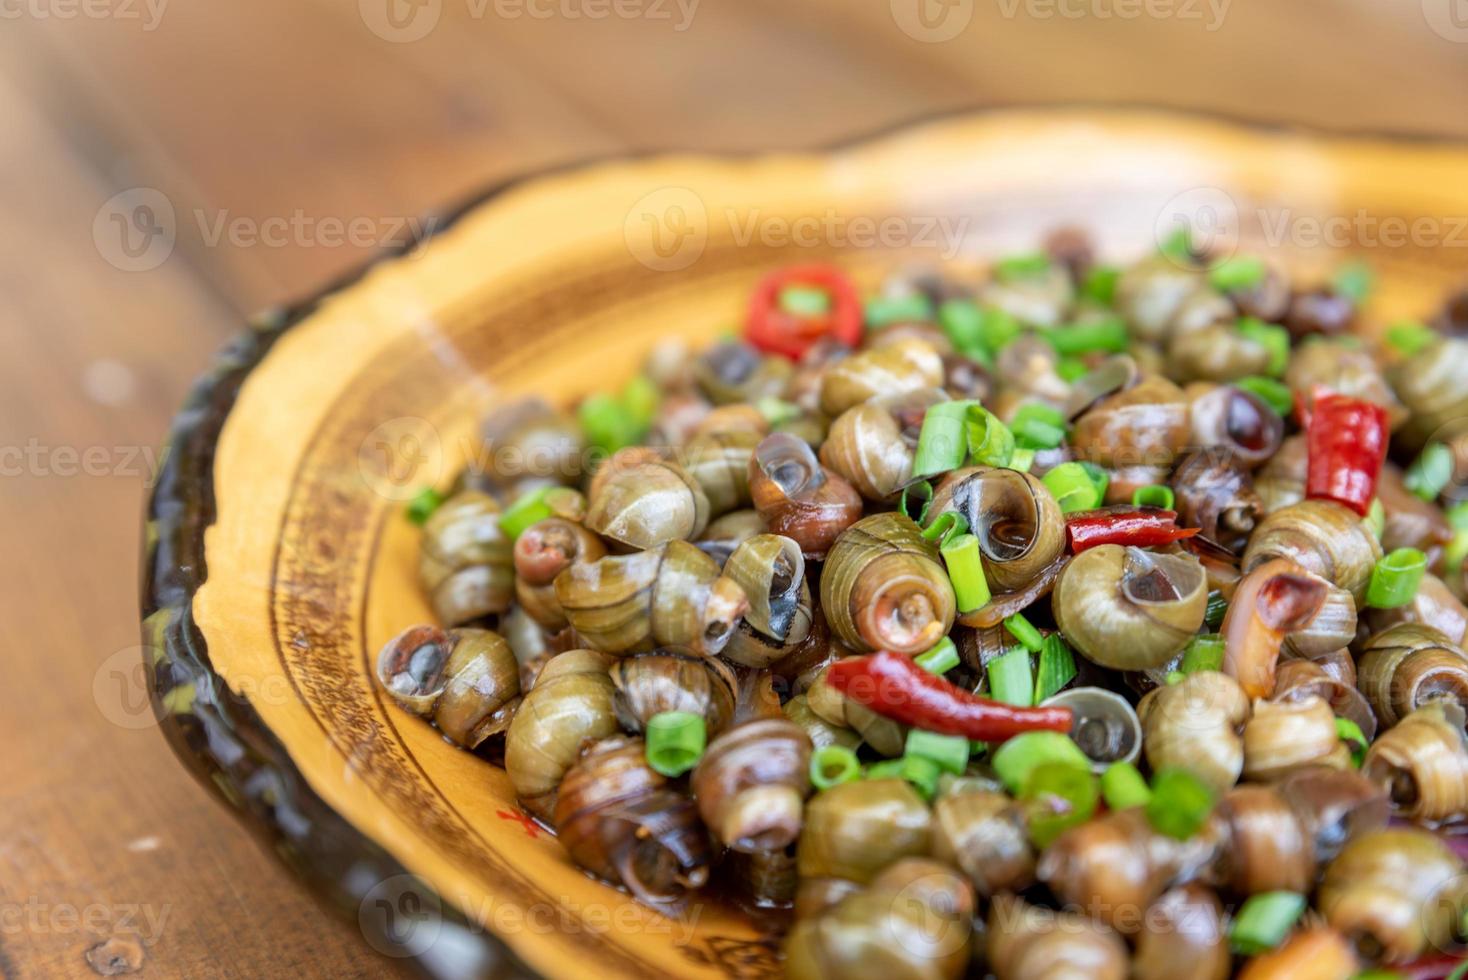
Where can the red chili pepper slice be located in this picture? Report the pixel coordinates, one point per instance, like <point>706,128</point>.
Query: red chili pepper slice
<point>1123,524</point>
<point>776,331</point>
<point>1346,441</point>
<point>895,687</point>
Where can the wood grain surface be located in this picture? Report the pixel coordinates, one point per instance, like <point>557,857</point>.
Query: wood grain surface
<point>262,123</point>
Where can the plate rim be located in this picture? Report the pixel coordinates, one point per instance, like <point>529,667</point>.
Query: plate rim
<point>255,776</point>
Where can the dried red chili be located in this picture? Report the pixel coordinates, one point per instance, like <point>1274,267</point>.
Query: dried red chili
<point>1125,525</point>
<point>1346,439</point>
<point>776,330</point>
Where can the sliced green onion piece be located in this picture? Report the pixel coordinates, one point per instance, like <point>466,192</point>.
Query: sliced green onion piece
<point>1375,519</point>
<point>1109,334</point>
<point>989,440</point>
<point>528,508</point>
<point>423,504</point>
<point>1174,677</point>
<point>1024,631</point>
<point>974,352</point>
<point>804,301</point>
<point>1264,920</point>
<point>1203,652</point>
<point>1071,369</point>
<point>915,499</point>
<point>1057,796</point>
<point>1057,667</point>
<point>1178,246</point>
<point>1274,339</point>
<point>675,742</point>
<point>1010,678</point>
<point>1022,460</point>
<point>1154,495</point>
<point>939,660</point>
<point>1122,786</point>
<point>1351,732</point>
<point>1024,266</point>
<point>943,439</point>
<point>1430,472</point>
<point>1014,759</point>
<point>640,399</point>
<point>1216,610</point>
<point>963,322</point>
<point>777,410</point>
<point>832,765</point>
<point>1461,972</point>
<point>950,752</point>
<point>1395,578</point>
<point>1276,394</point>
<point>886,769</point>
<point>1239,272</point>
<point>883,311</point>
<point>1038,426</point>
<point>1000,330</point>
<point>966,572</point>
<point>923,773</point>
<point>945,527</point>
<point>1180,803</point>
<point>607,423</point>
<point>1099,284</point>
<point>1408,338</point>
<point>1072,487</point>
<point>1354,281</point>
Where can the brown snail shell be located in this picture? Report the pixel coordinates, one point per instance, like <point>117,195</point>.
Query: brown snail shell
<point>1216,494</point>
<point>1127,608</point>
<point>725,534</point>
<point>652,683</point>
<point>1434,605</point>
<point>1144,425</point>
<point>1116,373</point>
<point>1285,735</point>
<point>466,680</point>
<point>799,498</point>
<point>882,734</point>
<point>570,704</point>
<point>543,551</point>
<point>528,441</point>
<point>732,372</point>
<point>752,782</point>
<point>1184,937</point>
<point>1295,680</point>
<point>1321,536</point>
<point>1196,724</point>
<point>618,819</point>
<point>1267,845</point>
<point>1217,352</point>
<point>1432,385</point>
<point>820,731</point>
<point>1236,423</point>
<point>1104,725</point>
<point>854,830</point>
<point>1422,762</point>
<point>1396,891</point>
<point>1150,294</point>
<point>1019,525</point>
<point>464,562</point>
<point>983,834</point>
<point>890,369</point>
<point>1342,368</point>
<point>1408,665</point>
<point>1409,521</point>
<point>641,500</point>
<point>741,419</point>
<point>871,444</point>
<point>883,588</point>
<point>719,463</point>
<point>770,569</point>
<point>1332,627</point>
<point>1281,481</point>
<point>671,596</point>
<point>1333,805</point>
<point>1031,942</point>
<point>1027,369</point>
<point>1042,299</point>
<point>1273,599</point>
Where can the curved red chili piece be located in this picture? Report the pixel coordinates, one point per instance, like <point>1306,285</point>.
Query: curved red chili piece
<point>1347,441</point>
<point>777,331</point>
<point>1122,524</point>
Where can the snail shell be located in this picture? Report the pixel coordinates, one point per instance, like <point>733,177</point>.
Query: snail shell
<point>871,444</point>
<point>1284,735</point>
<point>1130,609</point>
<point>719,462</point>
<point>983,834</point>
<point>1408,665</point>
<point>1295,680</point>
<point>1184,937</point>
<point>882,734</point>
<point>752,782</point>
<point>1215,493</point>
<point>1280,482</point>
<point>1236,422</point>
<point>1151,293</point>
<point>1433,386</point>
<point>820,731</point>
<point>1332,627</point>
<point>882,587</point>
<point>1313,952</point>
<point>1268,847</point>
<point>570,704</point>
<point>466,680</point>
<point>854,830</point>
<point>652,683</point>
<point>1217,352</point>
<point>1434,605</point>
<point>1321,536</point>
<point>1196,724</point>
<point>731,372</point>
<point>464,562</point>
<point>1144,425</point>
<point>1422,761</point>
<point>890,369</point>
<point>799,498</point>
<point>543,551</point>
<point>1275,598</point>
<point>1031,942</point>
<point>640,500</point>
<point>1019,525</point>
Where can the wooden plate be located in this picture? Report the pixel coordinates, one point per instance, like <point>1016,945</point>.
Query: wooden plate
<point>279,558</point>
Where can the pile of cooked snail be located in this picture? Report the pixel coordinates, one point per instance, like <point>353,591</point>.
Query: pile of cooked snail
<point>1079,620</point>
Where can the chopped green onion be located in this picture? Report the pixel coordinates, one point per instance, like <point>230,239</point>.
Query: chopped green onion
<point>883,311</point>
<point>966,572</point>
<point>1022,460</point>
<point>1109,334</point>
<point>1057,797</point>
<point>1038,426</point>
<point>1154,495</point>
<point>1122,786</point>
<point>945,527</point>
<point>832,765</point>
<point>423,504</point>
<point>989,440</point>
<point>1216,610</point>
<point>1457,549</point>
<point>1264,920</point>
<point>976,353</point>
<point>950,752</point>
<point>1024,631</point>
<point>1025,266</point>
<point>1461,972</point>
<point>1431,471</point>
<point>804,301</point>
<point>1276,394</point>
<point>1010,679</point>
<point>1014,760</point>
<point>1239,272</point>
<point>1174,677</point>
<point>915,500</point>
<point>1178,246</point>
<point>1354,281</point>
<point>1274,339</point>
<point>943,439</point>
<point>1000,330</point>
<point>777,411</point>
<point>1100,284</point>
<point>675,742</point>
<point>1180,803</point>
<point>1376,518</point>
<point>923,773</point>
<point>886,769</point>
<point>1408,338</point>
<point>1351,732</point>
<point>1071,369</point>
<point>607,423</point>
<point>1057,667</point>
<point>1072,487</point>
<point>1203,652</point>
<point>940,659</point>
<point>1395,578</point>
<point>963,322</point>
<point>640,399</point>
<point>528,508</point>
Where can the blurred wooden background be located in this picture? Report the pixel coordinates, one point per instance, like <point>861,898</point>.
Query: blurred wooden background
<point>245,112</point>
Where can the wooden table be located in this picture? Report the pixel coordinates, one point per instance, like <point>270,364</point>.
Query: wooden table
<point>260,124</point>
